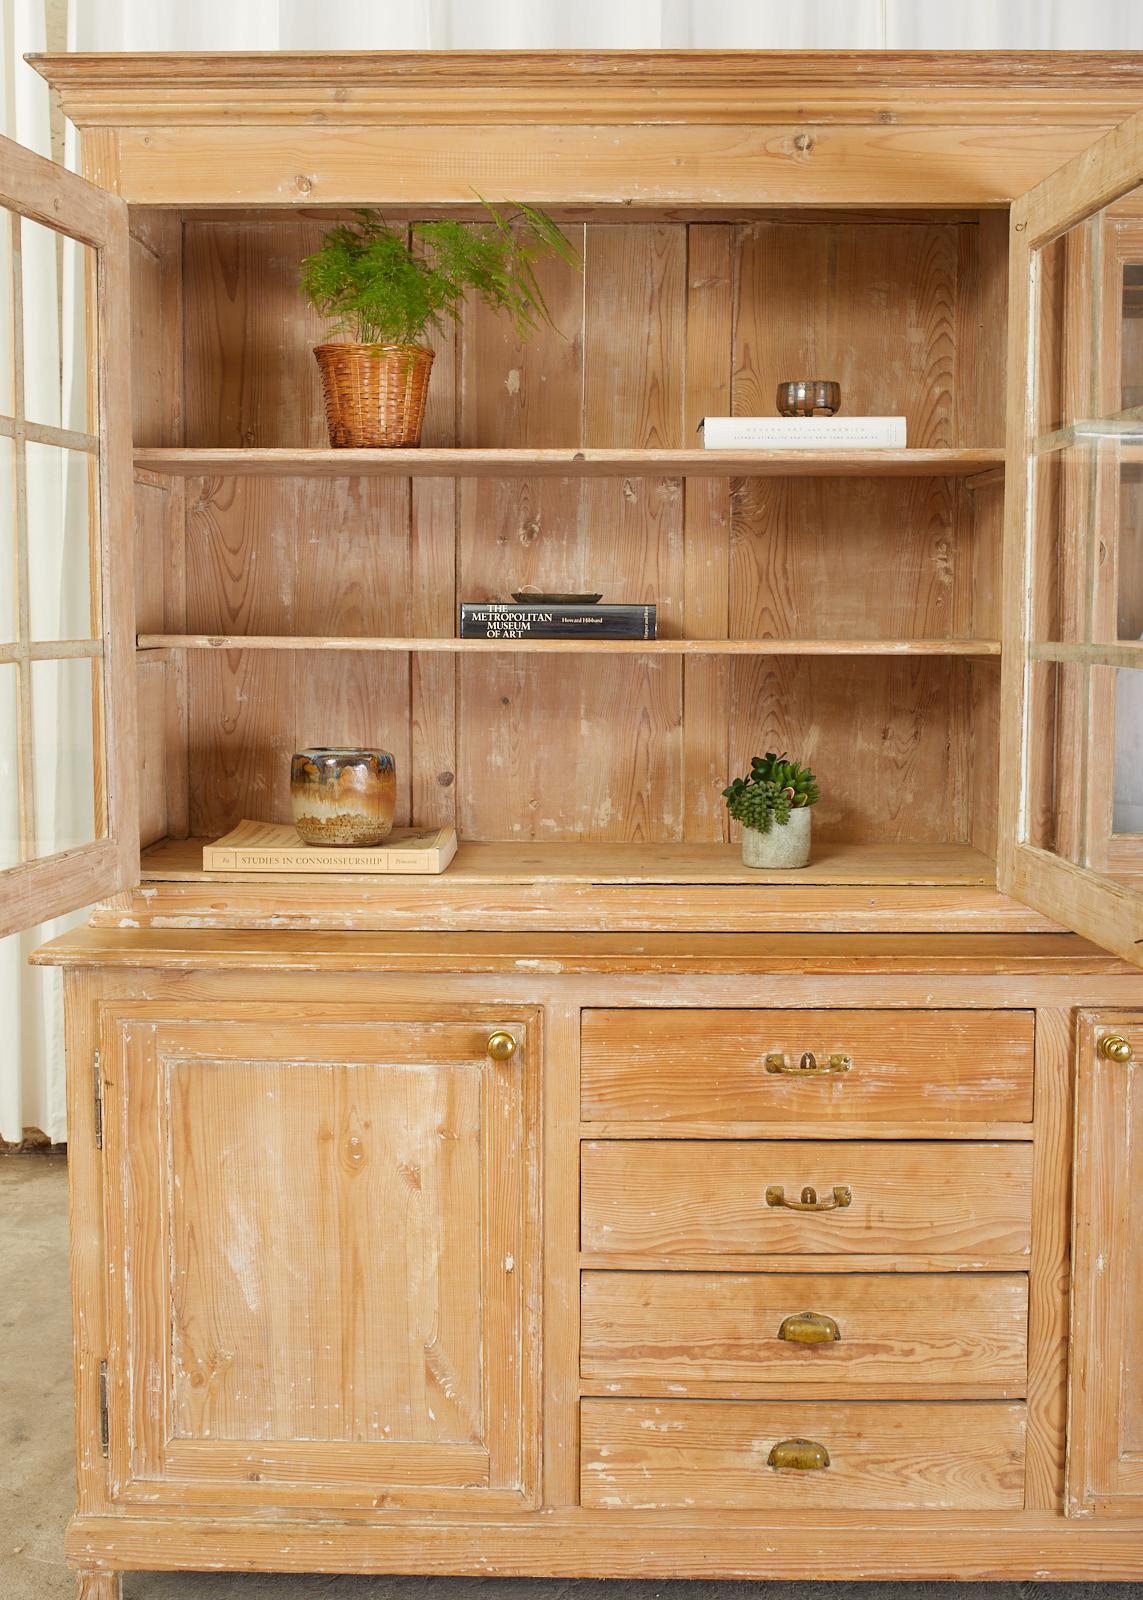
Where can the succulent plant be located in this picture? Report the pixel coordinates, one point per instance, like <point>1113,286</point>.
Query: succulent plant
<point>798,781</point>
<point>772,788</point>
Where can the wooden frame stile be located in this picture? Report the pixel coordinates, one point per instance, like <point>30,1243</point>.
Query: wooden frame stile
<point>1095,906</point>
<point>1105,1464</point>
<point>38,889</point>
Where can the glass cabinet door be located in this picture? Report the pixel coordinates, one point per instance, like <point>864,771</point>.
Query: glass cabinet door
<point>1072,752</point>
<point>68,814</point>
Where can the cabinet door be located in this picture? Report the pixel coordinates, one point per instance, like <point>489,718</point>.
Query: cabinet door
<point>69,831</point>
<point>1105,1412</point>
<point>321,1258</point>
<point>1072,695</point>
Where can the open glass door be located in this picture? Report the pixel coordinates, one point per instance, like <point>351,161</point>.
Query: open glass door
<point>1072,731</point>
<point>68,809</point>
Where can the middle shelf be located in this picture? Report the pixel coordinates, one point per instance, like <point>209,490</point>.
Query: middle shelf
<point>575,463</point>
<point>639,647</point>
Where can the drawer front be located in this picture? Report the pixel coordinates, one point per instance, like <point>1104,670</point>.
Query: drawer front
<point>883,1335</point>
<point>795,1066</point>
<point>654,1197</point>
<point>639,1454</point>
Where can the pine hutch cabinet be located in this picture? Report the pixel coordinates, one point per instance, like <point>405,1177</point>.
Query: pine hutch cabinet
<point>599,1206</point>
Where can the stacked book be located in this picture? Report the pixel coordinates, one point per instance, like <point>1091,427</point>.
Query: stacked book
<point>535,620</point>
<point>803,433</point>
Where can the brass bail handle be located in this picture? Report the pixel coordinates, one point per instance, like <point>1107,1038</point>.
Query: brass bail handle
<point>798,1455</point>
<point>839,1197</point>
<point>501,1045</point>
<point>809,1064</point>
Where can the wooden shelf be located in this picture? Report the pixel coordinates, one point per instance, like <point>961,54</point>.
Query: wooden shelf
<point>574,463</point>
<point>580,862</point>
<point>604,888</point>
<point>671,647</point>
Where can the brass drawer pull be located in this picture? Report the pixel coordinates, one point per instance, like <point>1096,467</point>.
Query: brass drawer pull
<point>501,1045</point>
<point>802,1455</point>
<point>809,1327</point>
<point>1114,1047</point>
<point>808,1064</point>
<point>840,1197</point>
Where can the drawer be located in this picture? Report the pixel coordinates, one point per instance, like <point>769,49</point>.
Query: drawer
<point>834,1066</point>
<point>872,1455</point>
<point>653,1197</point>
<point>878,1335</point>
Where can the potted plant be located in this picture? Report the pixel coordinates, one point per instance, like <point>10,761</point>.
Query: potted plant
<point>773,805</point>
<point>382,288</point>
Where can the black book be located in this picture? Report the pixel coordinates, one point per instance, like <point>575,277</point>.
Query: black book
<point>494,621</point>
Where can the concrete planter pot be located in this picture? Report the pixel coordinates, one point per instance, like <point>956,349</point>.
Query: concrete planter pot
<point>786,845</point>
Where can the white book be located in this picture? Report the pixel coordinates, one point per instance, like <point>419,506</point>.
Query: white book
<point>803,433</point>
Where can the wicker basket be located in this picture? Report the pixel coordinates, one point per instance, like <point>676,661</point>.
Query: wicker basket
<point>374,393</point>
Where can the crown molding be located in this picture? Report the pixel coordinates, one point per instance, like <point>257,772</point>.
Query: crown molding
<point>1049,88</point>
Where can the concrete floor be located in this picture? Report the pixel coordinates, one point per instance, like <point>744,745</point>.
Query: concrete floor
<point>36,1470</point>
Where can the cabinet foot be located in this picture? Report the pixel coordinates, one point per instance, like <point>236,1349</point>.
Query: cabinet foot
<point>98,1586</point>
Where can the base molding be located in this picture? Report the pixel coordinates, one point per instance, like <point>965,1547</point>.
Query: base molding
<point>574,1544</point>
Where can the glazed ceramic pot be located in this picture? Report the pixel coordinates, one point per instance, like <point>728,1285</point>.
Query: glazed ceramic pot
<point>343,796</point>
<point>786,845</point>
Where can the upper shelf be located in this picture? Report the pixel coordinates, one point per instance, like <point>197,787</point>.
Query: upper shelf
<point>434,463</point>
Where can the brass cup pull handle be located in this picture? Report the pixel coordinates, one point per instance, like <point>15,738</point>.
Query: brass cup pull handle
<point>808,1064</point>
<point>839,1197</point>
<point>799,1455</point>
<point>809,1327</point>
<point>1114,1047</point>
<point>501,1045</point>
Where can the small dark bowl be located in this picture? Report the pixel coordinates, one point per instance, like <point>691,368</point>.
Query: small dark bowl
<point>533,597</point>
<point>809,397</point>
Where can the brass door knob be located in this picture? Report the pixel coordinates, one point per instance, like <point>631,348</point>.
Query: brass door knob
<point>501,1045</point>
<point>802,1455</point>
<point>809,1327</point>
<point>1114,1047</point>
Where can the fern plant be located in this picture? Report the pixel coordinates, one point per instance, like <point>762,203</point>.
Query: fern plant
<point>772,788</point>
<point>377,284</point>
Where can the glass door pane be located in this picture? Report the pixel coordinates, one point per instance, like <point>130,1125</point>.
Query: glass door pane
<point>1074,633</point>
<point>68,824</point>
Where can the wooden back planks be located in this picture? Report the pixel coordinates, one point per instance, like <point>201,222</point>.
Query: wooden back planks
<point>669,321</point>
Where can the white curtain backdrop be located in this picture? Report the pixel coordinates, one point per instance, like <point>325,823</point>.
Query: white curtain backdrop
<point>608,24</point>
<point>31,1066</point>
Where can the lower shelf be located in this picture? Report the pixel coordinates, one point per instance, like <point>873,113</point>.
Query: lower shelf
<point>576,862</point>
<point>592,888</point>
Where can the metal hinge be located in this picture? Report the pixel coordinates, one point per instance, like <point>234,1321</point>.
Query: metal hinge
<point>97,1085</point>
<point>104,1423</point>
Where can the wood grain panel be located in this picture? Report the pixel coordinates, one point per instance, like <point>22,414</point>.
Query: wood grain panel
<point>433,601</point>
<point>1105,1412</point>
<point>285,554</point>
<point>652,1197</point>
<point>902,1335</point>
<point>617,722</point>
<point>324,1273</point>
<point>848,559</point>
<point>250,377</point>
<point>872,305</point>
<point>877,733</point>
<point>706,555</point>
<point>638,1454</point>
<point>710,1065</point>
<point>312,1197</point>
